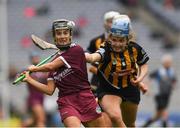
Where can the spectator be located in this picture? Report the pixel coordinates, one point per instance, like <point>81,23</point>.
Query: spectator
<point>166,80</point>
<point>36,98</point>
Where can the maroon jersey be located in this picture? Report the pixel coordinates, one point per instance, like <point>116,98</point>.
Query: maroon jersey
<point>72,77</point>
<point>36,97</point>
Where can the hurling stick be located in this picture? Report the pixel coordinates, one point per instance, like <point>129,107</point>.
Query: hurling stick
<point>21,77</point>
<point>42,44</point>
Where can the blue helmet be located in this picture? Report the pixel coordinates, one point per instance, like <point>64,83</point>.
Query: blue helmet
<point>120,27</point>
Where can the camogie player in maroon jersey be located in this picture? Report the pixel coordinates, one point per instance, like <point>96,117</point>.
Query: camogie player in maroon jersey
<point>68,73</point>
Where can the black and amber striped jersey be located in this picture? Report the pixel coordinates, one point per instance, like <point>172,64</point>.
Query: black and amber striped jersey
<point>95,43</point>
<point>116,68</point>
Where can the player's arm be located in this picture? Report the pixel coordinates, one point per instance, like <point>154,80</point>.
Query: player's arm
<point>93,69</point>
<point>142,59</point>
<point>51,66</point>
<point>47,89</point>
<point>138,79</point>
<point>94,57</point>
<point>143,71</point>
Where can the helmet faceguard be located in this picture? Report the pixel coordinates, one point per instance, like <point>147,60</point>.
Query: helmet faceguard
<point>60,25</point>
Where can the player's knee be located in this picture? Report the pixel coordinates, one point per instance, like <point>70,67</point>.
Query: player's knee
<point>107,120</point>
<point>115,116</point>
<point>99,122</point>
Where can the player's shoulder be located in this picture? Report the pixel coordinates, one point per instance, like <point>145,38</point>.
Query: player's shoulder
<point>102,36</point>
<point>75,48</point>
<point>134,44</point>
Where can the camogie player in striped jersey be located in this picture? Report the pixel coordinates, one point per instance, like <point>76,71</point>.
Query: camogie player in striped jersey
<point>117,65</point>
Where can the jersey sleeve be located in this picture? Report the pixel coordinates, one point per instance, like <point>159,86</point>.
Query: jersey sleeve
<point>72,56</point>
<point>50,76</point>
<point>101,51</point>
<point>142,57</point>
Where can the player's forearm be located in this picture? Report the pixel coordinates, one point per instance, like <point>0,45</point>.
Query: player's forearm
<point>43,68</point>
<point>93,69</point>
<point>39,86</point>
<point>88,57</point>
<point>143,87</point>
<point>91,58</point>
<point>144,71</point>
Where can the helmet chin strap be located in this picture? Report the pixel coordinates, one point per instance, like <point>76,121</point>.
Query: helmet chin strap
<point>63,47</point>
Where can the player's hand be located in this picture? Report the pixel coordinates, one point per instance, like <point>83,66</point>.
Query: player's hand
<point>135,80</point>
<point>31,68</point>
<point>26,73</point>
<point>93,70</point>
<point>27,76</point>
<point>143,87</point>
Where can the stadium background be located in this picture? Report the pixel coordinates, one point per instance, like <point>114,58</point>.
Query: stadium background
<point>156,23</point>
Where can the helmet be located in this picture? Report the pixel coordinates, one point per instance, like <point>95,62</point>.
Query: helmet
<point>120,27</point>
<point>110,15</point>
<point>124,17</point>
<point>63,24</point>
<point>132,36</point>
